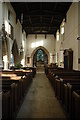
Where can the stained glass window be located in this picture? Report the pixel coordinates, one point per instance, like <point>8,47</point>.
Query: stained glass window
<point>40,55</point>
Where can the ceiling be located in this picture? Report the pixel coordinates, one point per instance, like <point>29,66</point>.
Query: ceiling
<point>41,17</point>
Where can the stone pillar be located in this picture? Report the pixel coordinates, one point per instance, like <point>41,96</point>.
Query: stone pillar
<point>78,38</point>
<point>1,65</point>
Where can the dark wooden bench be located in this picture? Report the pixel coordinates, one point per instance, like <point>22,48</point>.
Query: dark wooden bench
<point>59,86</point>
<point>26,78</point>
<point>21,84</point>
<point>6,107</point>
<point>76,105</point>
<point>71,87</point>
<point>30,68</point>
<point>66,81</point>
<point>11,108</point>
<point>61,74</point>
<point>17,91</point>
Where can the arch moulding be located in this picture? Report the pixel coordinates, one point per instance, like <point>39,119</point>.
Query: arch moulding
<point>44,49</point>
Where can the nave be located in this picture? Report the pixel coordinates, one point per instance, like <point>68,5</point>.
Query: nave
<point>50,93</point>
<point>40,101</point>
<point>40,60</point>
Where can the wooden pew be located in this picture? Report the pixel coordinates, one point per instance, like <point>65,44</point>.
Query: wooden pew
<point>21,83</point>
<point>16,80</point>
<point>6,107</point>
<point>70,88</point>
<point>59,80</point>
<point>26,77</point>
<point>17,92</point>
<point>76,105</point>
<point>65,75</point>
<point>1,103</point>
<point>11,88</point>
<point>60,74</point>
<point>30,68</point>
<point>62,85</point>
<point>59,85</point>
<point>18,72</point>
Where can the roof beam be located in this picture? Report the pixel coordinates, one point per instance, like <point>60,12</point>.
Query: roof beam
<point>41,23</point>
<point>50,23</point>
<point>43,13</point>
<point>30,22</point>
<point>55,6</point>
<point>52,27</point>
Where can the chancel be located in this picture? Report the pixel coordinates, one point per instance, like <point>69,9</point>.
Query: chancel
<point>40,60</point>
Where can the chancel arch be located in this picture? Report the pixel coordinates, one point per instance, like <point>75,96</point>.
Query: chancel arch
<point>40,56</point>
<point>15,52</point>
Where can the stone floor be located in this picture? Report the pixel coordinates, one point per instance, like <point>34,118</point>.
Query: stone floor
<point>40,101</point>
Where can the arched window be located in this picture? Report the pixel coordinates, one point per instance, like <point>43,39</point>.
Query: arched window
<point>62,26</point>
<point>40,55</point>
<point>57,35</point>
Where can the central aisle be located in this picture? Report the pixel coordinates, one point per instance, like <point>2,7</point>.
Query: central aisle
<point>40,101</point>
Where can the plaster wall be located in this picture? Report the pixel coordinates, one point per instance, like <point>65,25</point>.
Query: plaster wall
<point>18,34</point>
<point>79,36</point>
<point>6,6</point>
<point>71,32</point>
<point>48,43</point>
<point>69,38</point>
<point>1,14</point>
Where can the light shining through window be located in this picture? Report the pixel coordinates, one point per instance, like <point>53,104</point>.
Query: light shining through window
<point>62,30</point>
<point>57,35</point>
<point>23,43</point>
<point>22,62</point>
<point>5,61</point>
<point>5,58</point>
<point>6,26</point>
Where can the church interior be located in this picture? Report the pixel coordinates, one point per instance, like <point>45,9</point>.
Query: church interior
<point>40,60</point>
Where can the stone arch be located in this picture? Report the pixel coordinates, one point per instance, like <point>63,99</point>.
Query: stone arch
<point>44,49</point>
<point>15,51</point>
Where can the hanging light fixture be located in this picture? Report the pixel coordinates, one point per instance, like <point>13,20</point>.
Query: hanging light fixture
<point>35,36</point>
<point>61,47</point>
<point>21,48</point>
<point>45,36</point>
<point>57,35</point>
<point>21,18</point>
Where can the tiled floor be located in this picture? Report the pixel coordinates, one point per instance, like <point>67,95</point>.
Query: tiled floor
<point>40,101</point>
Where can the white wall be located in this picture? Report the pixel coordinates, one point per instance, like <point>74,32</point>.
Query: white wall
<point>59,46</point>
<point>79,34</point>
<point>18,34</point>
<point>17,27</point>
<point>24,47</point>
<point>0,37</point>
<point>5,7</point>
<point>1,13</point>
<point>48,43</point>
<point>71,32</point>
<point>69,38</point>
<point>24,39</point>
